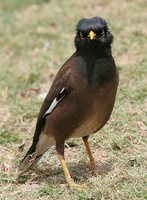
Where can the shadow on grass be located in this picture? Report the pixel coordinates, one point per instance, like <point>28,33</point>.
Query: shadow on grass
<point>80,172</point>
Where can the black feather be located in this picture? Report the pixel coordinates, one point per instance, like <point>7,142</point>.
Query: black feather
<point>61,94</point>
<point>40,124</point>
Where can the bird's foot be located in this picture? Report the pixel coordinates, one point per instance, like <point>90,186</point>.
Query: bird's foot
<point>76,186</point>
<point>93,168</point>
<point>72,185</point>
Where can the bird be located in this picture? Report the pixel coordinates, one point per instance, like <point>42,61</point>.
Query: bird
<point>81,98</point>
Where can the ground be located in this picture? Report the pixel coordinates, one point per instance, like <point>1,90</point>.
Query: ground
<point>36,38</point>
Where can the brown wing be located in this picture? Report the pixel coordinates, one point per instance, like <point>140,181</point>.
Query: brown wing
<point>61,81</point>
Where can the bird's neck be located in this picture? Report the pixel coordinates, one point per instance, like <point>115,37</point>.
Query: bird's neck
<point>93,67</point>
<point>94,52</point>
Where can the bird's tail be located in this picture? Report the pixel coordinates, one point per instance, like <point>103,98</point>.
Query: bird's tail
<point>35,152</point>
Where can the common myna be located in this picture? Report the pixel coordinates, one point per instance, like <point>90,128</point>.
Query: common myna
<point>81,98</point>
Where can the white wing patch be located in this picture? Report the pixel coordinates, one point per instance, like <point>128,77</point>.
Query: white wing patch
<point>56,101</point>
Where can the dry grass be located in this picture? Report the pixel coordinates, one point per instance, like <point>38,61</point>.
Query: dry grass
<point>36,37</point>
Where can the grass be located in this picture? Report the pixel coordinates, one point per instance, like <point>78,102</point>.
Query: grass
<point>36,38</point>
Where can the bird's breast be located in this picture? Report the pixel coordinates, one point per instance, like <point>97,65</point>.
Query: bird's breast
<point>88,127</point>
<point>98,105</point>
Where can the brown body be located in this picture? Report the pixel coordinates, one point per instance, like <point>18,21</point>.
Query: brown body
<point>73,117</point>
<point>81,98</point>
<point>76,117</point>
<point>93,111</point>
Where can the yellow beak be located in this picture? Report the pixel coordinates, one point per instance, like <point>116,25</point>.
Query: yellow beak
<point>91,35</point>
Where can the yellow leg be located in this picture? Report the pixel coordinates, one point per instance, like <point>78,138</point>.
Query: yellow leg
<point>92,162</point>
<point>68,178</point>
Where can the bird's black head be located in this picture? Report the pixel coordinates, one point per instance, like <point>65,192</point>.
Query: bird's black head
<point>93,33</point>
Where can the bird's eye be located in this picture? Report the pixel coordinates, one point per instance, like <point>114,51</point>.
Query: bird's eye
<point>103,33</point>
<point>83,35</point>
